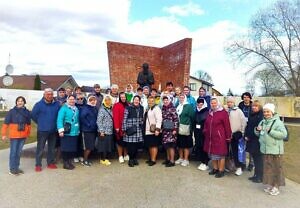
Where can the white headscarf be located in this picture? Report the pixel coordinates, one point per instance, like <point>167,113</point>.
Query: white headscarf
<point>203,106</point>
<point>180,106</point>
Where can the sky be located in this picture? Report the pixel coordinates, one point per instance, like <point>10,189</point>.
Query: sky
<point>69,37</point>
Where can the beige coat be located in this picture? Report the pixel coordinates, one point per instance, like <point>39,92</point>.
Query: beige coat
<point>237,120</point>
<point>154,116</point>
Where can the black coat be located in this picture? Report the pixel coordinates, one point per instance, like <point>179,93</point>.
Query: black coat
<point>253,121</point>
<point>200,117</point>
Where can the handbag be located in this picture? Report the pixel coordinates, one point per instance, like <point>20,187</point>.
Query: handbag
<point>131,130</point>
<point>242,150</point>
<point>229,161</point>
<point>152,126</point>
<point>184,129</point>
<point>67,128</point>
<point>168,125</point>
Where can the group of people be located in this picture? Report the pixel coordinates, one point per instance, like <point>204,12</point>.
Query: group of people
<point>129,121</point>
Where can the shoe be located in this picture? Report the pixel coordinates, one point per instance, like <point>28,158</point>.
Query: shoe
<point>71,164</point>
<point>76,160</point>
<point>52,166</point>
<point>148,161</point>
<point>165,162</point>
<point>274,191</point>
<point>213,172</point>
<point>121,159</point>
<point>268,189</point>
<point>151,163</point>
<point>130,163</point>
<point>38,168</point>
<point>170,164</point>
<point>135,162</point>
<point>67,166</point>
<point>185,163</point>
<point>86,163</point>
<point>126,157</point>
<point>13,172</point>
<point>107,162</point>
<point>220,174</point>
<point>202,167</point>
<point>250,167</point>
<point>20,171</point>
<point>179,161</point>
<point>251,178</point>
<point>257,180</point>
<point>238,171</point>
<point>80,159</point>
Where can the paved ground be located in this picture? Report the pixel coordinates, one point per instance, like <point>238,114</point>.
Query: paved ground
<point>142,186</point>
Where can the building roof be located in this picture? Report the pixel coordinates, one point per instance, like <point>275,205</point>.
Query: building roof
<point>26,82</point>
<point>203,81</point>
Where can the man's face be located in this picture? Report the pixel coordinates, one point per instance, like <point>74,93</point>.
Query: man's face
<point>246,99</point>
<point>170,88</point>
<point>61,93</point>
<point>48,96</point>
<point>146,91</point>
<point>97,89</point>
<point>186,91</point>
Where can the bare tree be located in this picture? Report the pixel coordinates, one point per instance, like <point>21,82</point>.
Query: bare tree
<point>203,75</point>
<point>273,42</point>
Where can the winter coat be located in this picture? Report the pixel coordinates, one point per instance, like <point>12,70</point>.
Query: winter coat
<point>118,117</point>
<point>191,100</point>
<point>271,140</point>
<point>200,117</point>
<point>253,142</point>
<point>105,121</point>
<point>88,118</point>
<point>217,132</point>
<point>133,116</point>
<point>66,114</point>
<point>45,115</point>
<point>169,113</point>
<point>14,119</point>
<point>246,109</point>
<point>153,116</point>
<point>237,120</point>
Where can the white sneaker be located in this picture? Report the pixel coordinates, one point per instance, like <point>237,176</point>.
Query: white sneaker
<point>76,160</point>
<point>126,158</point>
<point>268,189</point>
<point>179,161</point>
<point>185,163</point>
<point>274,191</point>
<point>202,167</point>
<point>121,159</point>
<point>238,171</point>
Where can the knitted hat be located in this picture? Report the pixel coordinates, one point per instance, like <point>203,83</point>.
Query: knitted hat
<point>270,106</point>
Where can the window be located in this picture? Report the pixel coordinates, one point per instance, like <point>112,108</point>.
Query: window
<point>193,86</point>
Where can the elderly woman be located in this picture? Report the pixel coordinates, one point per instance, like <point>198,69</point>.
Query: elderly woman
<point>68,129</point>
<point>184,139</point>
<point>153,119</point>
<point>237,123</point>
<point>169,130</point>
<point>132,128</point>
<point>114,94</point>
<point>217,133</point>
<point>253,146</point>
<point>118,117</point>
<point>271,132</point>
<point>18,123</point>
<point>105,130</point>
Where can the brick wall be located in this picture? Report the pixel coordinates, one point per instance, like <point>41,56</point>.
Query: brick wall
<point>170,63</point>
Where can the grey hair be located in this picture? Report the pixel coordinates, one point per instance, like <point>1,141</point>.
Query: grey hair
<point>48,90</point>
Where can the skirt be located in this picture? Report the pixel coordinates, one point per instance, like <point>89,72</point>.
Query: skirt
<point>152,140</point>
<point>68,143</point>
<point>184,141</point>
<point>105,144</point>
<point>120,142</point>
<point>216,157</point>
<point>273,170</point>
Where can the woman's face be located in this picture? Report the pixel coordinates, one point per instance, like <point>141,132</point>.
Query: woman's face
<point>128,89</point>
<point>166,102</point>
<point>214,104</point>
<point>199,105</point>
<point>123,98</point>
<point>93,101</point>
<point>107,101</point>
<point>151,102</point>
<point>136,101</point>
<point>268,113</point>
<point>255,108</point>
<point>114,90</point>
<point>177,91</point>
<point>181,99</point>
<point>230,104</point>
<point>20,103</point>
<point>71,101</point>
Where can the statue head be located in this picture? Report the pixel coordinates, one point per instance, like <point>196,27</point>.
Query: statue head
<point>145,67</point>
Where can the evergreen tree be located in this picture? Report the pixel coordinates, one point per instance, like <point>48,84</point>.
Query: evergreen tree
<point>37,82</point>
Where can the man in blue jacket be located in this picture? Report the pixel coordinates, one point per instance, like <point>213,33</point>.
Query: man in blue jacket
<point>44,114</point>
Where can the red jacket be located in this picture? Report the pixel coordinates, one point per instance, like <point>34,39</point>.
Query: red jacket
<point>217,132</point>
<point>118,117</point>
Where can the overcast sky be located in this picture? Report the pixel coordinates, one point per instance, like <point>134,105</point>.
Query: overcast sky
<point>69,37</point>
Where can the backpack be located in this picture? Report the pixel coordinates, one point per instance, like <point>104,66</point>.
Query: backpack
<point>285,139</point>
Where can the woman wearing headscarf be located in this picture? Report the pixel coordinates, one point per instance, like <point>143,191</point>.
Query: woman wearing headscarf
<point>18,123</point>
<point>118,117</point>
<point>169,130</point>
<point>68,129</point>
<point>132,128</point>
<point>271,132</point>
<point>217,133</point>
<point>129,93</point>
<point>105,130</point>
<point>186,115</point>
<point>200,117</point>
<point>88,125</point>
<point>153,119</point>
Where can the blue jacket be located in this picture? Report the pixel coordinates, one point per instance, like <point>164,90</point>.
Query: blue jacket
<point>88,118</point>
<point>191,100</point>
<point>67,114</point>
<point>45,115</point>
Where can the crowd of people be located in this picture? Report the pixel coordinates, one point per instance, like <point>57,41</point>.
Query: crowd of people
<point>74,125</point>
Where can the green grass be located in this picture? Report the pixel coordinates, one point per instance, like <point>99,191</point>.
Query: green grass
<point>32,137</point>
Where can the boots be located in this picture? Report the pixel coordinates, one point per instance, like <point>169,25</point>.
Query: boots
<point>68,165</point>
